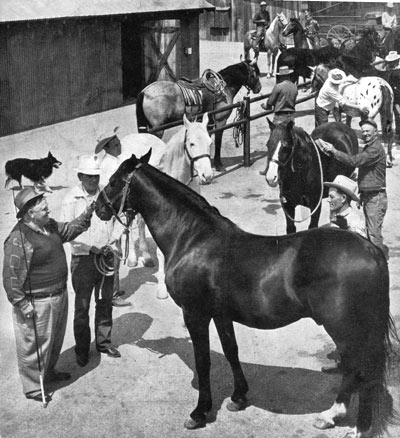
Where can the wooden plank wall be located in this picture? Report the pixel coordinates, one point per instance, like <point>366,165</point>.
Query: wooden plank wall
<point>58,70</point>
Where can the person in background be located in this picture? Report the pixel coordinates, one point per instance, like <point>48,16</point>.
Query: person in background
<point>110,162</point>
<point>311,28</point>
<point>342,191</point>
<point>35,279</point>
<point>262,21</point>
<point>389,19</point>
<point>329,96</point>
<point>87,252</point>
<point>283,99</point>
<point>371,163</point>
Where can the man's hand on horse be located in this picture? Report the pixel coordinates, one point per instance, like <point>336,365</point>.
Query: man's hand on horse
<point>364,110</point>
<point>325,147</point>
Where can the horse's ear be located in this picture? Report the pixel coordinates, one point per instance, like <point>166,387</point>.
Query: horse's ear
<point>186,122</point>
<point>205,120</point>
<point>271,124</point>
<point>146,157</point>
<point>289,127</point>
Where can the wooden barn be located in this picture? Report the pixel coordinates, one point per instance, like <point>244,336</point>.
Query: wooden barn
<point>65,59</point>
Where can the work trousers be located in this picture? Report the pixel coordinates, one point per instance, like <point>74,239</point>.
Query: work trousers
<point>51,320</point>
<point>321,115</point>
<point>85,279</point>
<point>375,206</point>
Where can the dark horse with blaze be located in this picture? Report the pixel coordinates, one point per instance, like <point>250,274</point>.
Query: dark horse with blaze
<point>295,163</point>
<point>164,101</point>
<point>215,271</point>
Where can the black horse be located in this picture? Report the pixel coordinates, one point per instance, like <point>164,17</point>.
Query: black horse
<point>215,271</point>
<point>300,60</point>
<point>164,101</point>
<point>300,39</point>
<point>295,163</point>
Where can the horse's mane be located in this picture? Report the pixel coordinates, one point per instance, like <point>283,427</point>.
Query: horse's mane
<point>189,197</point>
<point>230,73</point>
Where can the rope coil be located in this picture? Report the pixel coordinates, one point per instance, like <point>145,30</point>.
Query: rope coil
<point>238,130</point>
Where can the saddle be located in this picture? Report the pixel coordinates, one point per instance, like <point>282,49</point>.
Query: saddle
<point>192,91</point>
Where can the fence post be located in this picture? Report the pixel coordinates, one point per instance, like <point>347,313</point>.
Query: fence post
<point>246,132</point>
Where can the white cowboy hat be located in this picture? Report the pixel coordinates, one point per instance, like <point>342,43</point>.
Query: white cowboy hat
<point>23,198</point>
<point>336,76</point>
<point>389,5</point>
<point>392,56</point>
<point>284,70</point>
<point>105,138</point>
<point>345,185</point>
<point>263,3</point>
<point>88,165</point>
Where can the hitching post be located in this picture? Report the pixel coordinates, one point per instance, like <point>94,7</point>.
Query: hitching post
<point>246,133</point>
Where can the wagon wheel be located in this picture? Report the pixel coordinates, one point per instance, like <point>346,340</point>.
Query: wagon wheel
<point>338,34</point>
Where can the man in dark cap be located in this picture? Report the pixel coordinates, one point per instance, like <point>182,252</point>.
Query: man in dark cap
<point>35,280</point>
<point>262,21</point>
<point>371,163</point>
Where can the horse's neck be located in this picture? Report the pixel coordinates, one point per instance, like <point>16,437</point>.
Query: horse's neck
<point>174,162</point>
<point>272,33</point>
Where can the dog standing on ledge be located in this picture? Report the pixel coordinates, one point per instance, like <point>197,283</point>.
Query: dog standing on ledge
<point>35,170</point>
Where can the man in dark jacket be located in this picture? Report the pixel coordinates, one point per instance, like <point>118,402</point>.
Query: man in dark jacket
<point>371,163</point>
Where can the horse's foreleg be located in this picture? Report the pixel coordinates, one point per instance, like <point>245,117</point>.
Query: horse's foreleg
<point>147,260</point>
<point>269,62</point>
<point>228,340</point>
<point>387,137</point>
<point>290,211</point>
<point>162,292</point>
<point>217,154</point>
<point>198,325</point>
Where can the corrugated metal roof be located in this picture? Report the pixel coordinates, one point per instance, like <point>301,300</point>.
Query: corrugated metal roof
<point>24,10</point>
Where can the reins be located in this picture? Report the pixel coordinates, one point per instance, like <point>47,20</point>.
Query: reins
<point>192,160</point>
<point>321,181</point>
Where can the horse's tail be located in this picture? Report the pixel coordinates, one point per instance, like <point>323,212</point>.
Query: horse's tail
<point>143,124</point>
<point>386,110</point>
<point>375,357</point>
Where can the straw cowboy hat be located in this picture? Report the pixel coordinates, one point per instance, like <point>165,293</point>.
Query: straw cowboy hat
<point>389,5</point>
<point>336,76</point>
<point>105,138</point>
<point>392,56</point>
<point>345,185</point>
<point>88,165</point>
<point>23,198</point>
<point>368,122</point>
<point>263,3</point>
<point>284,70</point>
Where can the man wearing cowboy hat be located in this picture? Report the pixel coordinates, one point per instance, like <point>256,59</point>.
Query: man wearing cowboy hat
<point>35,279</point>
<point>392,60</point>
<point>109,163</point>
<point>262,21</point>
<point>389,19</point>
<point>371,163</point>
<point>283,99</point>
<point>329,96</point>
<point>86,252</point>
<point>342,191</point>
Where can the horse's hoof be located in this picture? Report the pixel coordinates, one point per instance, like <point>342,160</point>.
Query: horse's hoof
<point>389,165</point>
<point>194,424</point>
<point>321,423</point>
<point>236,406</point>
<point>162,295</point>
<point>132,263</point>
<point>148,262</point>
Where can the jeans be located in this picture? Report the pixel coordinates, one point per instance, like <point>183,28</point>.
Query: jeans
<point>375,206</point>
<point>321,115</point>
<point>85,278</point>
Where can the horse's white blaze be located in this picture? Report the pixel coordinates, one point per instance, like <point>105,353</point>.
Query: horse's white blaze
<point>272,173</point>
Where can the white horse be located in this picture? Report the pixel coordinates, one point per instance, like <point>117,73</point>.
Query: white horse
<point>186,157</point>
<point>270,44</point>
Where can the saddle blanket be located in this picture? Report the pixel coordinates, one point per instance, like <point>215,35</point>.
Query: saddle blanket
<point>192,96</point>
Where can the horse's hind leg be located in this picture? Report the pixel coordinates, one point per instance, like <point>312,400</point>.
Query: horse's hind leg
<point>228,340</point>
<point>217,153</point>
<point>198,326</point>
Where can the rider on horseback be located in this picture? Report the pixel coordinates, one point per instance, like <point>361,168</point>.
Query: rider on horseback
<point>262,21</point>
<point>389,20</point>
<point>311,28</point>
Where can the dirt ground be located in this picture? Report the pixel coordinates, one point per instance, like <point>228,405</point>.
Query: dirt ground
<point>150,391</point>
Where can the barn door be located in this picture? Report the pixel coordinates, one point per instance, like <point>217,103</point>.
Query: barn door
<point>160,52</point>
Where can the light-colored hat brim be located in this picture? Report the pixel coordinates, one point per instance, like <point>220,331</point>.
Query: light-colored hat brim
<point>102,143</point>
<point>289,72</point>
<point>343,189</point>
<point>86,171</point>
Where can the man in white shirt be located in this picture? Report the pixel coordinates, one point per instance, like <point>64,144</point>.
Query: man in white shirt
<point>329,96</point>
<point>389,19</point>
<point>110,162</point>
<point>91,245</point>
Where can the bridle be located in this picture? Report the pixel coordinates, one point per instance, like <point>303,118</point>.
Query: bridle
<point>251,70</point>
<point>192,159</point>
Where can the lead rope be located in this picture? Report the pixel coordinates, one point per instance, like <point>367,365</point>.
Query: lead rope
<point>238,130</point>
<point>321,193</point>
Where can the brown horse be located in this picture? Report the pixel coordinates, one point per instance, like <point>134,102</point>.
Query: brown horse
<point>163,101</point>
<point>216,271</point>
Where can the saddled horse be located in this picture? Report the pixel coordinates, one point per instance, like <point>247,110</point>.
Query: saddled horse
<point>371,92</point>
<point>186,157</point>
<point>300,39</point>
<point>215,271</point>
<point>270,44</point>
<point>163,101</point>
<point>295,163</point>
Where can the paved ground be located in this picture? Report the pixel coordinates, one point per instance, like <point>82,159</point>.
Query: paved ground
<point>150,391</point>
